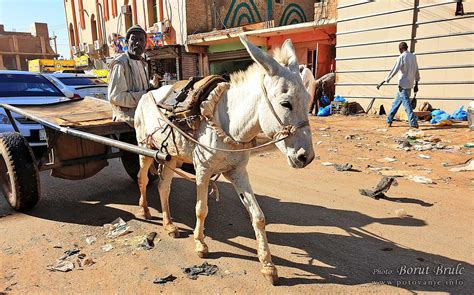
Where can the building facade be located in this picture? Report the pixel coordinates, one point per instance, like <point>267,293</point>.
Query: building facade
<point>201,37</point>
<point>92,25</point>
<point>16,48</point>
<point>440,33</point>
<point>267,23</point>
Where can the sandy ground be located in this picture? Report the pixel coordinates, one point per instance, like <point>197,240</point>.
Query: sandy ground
<point>324,236</point>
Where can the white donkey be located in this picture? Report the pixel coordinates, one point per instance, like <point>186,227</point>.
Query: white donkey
<point>269,97</point>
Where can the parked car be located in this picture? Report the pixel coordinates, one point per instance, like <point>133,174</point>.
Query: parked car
<point>25,88</point>
<point>80,84</point>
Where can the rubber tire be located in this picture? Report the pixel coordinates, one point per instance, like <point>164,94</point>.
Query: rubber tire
<point>131,161</point>
<point>20,180</point>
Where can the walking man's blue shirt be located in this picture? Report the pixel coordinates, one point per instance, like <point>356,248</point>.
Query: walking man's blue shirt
<point>407,66</point>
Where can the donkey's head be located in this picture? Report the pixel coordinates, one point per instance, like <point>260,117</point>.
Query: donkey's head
<point>287,102</point>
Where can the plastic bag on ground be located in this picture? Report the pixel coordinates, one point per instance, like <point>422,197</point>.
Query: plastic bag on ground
<point>339,98</point>
<point>460,114</point>
<point>437,112</point>
<point>324,112</point>
<point>438,116</point>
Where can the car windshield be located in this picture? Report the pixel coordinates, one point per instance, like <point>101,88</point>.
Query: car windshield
<point>81,81</point>
<point>14,85</point>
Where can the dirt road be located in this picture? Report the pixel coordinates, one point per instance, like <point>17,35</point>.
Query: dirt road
<point>324,236</point>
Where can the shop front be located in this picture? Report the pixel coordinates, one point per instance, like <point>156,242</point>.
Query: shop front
<point>314,44</point>
<point>173,63</point>
<point>227,58</point>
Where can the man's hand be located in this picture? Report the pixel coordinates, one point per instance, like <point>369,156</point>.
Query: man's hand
<point>416,87</point>
<point>380,85</point>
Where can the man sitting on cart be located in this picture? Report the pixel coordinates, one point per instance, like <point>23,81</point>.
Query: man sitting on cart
<point>129,78</point>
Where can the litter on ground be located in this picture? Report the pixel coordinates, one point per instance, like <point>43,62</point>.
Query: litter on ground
<point>465,168</point>
<point>420,179</point>
<point>164,280</point>
<point>378,192</point>
<point>343,167</point>
<point>204,269</point>
<point>107,247</point>
<point>117,228</point>
<point>62,266</point>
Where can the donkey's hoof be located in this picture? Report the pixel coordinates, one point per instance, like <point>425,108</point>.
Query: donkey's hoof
<point>173,231</point>
<point>270,273</point>
<point>143,213</point>
<point>202,254</point>
<point>202,250</point>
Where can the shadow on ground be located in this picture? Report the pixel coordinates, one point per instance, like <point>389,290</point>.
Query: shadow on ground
<point>346,259</point>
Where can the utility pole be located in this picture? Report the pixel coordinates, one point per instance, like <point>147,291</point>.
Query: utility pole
<point>54,40</point>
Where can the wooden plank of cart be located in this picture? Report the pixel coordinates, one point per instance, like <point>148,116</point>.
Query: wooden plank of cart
<point>81,138</point>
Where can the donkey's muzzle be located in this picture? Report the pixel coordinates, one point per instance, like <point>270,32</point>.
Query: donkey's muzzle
<point>303,158</point>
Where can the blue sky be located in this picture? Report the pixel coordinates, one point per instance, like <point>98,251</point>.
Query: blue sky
<point>20,14</point>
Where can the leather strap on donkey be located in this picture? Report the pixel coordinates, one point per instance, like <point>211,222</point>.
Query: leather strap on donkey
<point>183,104</point>
<point>187,95</point>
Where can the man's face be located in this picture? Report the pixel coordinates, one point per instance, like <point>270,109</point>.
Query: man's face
<point>401,48</point>
<point>136,43</point>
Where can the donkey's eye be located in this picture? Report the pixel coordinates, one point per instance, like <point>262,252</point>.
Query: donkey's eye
<point>286,104</point>
<point>284,90</point>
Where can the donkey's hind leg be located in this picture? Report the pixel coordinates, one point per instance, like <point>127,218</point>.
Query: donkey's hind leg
<point>164,190</point>
<point>145,163</point>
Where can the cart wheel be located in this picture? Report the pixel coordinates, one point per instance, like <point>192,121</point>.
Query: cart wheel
<point>131,162</point>
<point>19,175</point>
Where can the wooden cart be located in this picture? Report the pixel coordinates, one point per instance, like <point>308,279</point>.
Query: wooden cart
<point>81,138</point>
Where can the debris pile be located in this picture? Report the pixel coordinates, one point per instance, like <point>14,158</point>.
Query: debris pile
<point>382,187</point>
<point>147,242</point>
<point>117,228</point>
<point>418,141</point>
<point>204,269</point>
<point>71,259</point>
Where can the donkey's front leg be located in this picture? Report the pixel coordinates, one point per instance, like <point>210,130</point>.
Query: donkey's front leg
<point>240,180</point>
<point>164,190</point>
<point>145,163</point>
<point>202,182</point>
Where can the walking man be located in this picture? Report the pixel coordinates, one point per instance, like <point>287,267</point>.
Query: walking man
<point>409,75</point>
<point>128,79</point>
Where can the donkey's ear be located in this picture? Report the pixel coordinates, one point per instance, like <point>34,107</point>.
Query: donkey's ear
<point>262,58</point>
<point>290,51</point>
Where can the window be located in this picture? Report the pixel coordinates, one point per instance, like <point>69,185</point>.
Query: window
<point>19,85</point>
<point>279,2</point>
<point>81,81</point>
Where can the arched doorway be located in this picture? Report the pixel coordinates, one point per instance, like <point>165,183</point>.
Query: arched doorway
<point>93,28</point>
<point>72,40</point>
